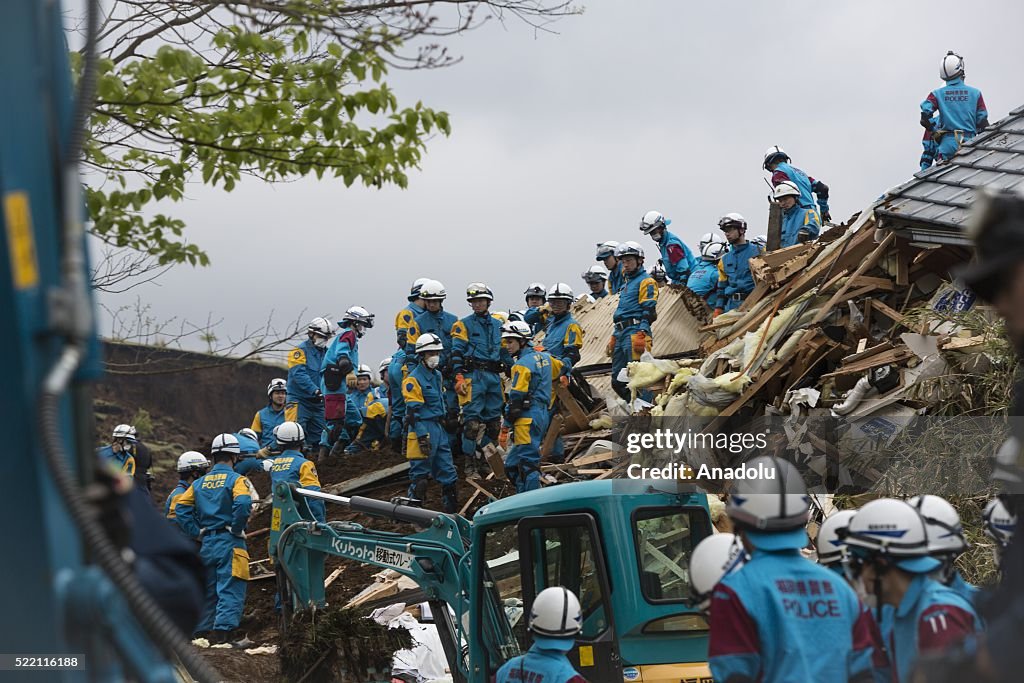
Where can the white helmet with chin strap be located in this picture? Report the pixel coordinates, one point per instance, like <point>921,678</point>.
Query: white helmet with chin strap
<point>831,547</point>
<point>595,273</point>
<point>225,443</point>
<point>320,331</point>
<point>952,66</point>
<point>433,290</point>
<point>708,238</point>
<point>714,557</point>
<point>774,154</point>
<point>359,319</point>
<point>516,329</point>
<point>428,342</point>
<point>289,433</point>
<point>776,502</point>
<point>786,188</point>
<point>556,613</point>
<point>945,533</point>
<point>414,290</point>
<point>277,384</point>
<point>713,251</point>
<point>892,530</point>
<point>629,248</point>
<point>999,523</point>
<point>560,292</point>
<point>192,462</point>
<point>606,249</point>
<point>382,371</point>
<point>653,220</point>
<point>536,289</point>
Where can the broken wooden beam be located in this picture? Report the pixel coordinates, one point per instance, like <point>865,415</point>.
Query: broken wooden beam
<point>350,485</point>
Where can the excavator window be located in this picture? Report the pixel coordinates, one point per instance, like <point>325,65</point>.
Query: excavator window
<point>664,538</point>
<point>565,556</point>
<point>503,577</point>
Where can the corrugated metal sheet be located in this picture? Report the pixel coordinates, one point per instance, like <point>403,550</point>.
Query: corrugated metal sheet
<point>934,206</point>
<point>680,313</point>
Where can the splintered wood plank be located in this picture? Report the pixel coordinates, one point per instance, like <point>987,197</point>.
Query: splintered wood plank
<point>554,429</point>
<point>472,499</point>
<point>866,265</point>
<point>334,575</point>
<point>577,416</point>
<point>584,460</point>
<point>886,311</point>
<point>481,489</point>
<point>877,282</point>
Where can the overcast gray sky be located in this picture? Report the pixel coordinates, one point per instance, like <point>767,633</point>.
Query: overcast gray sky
<point>561,141</point>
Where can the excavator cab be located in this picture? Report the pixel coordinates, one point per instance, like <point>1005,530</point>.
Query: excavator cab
<point>623,548</point>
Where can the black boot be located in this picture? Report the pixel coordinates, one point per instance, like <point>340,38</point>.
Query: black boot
<point>321,455</point>
<point>450,498</point>
<point>418,489</point>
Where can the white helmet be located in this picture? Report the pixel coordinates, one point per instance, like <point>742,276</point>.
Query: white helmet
<point>606,249</point>
<point>428,342</point>
<point>414,290</point>
<point>383,369</point>
<point>364,371</point>
<point>713,251</point>
<point>832,548</point>
<point>712,559</point>
<point>998,523</point>
<point>358,314</point>
<point>225,443</point>
<point>126,432</point>
<point>478,290</point>
<point>652,220</point>
<point>659,274</point>
<point>776,502</point>
<point>433,290</point>
<point>773,154</point>
<point>761,240</point>
<point>288,433</point>
<point>321,330</point>
<point>629,249</point>
<point>892,529</point>
<point>786,188</point>
<point>945,533</point>
<point>708,238</point>
<point>277,384</point>
<point>952,66</point>
<point>536,289</point>
<point>192,461</point>
<point>247,431</point>
<point>556,613</point>
<point>595,273</point>
<point>516,329</point>
<point>731,219</point>
<point>560,292</point>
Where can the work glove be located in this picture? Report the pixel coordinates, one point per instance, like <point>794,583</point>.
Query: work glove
<point>639,343</point>
<point>318,397</point>
<point>826,217</point>
<point>610,348</point>
<point>937,135</point>
<point>263,453</point>
<point>803,236</point>
<point>424,442</point>
<point>564,381</point>
<point>718,312</point>
<point>460,385</point>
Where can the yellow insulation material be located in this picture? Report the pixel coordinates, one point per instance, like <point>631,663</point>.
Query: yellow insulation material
<point>603,422</point>
<point>733,382</point>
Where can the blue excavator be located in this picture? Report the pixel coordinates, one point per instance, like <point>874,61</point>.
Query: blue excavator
<point>74,606</point>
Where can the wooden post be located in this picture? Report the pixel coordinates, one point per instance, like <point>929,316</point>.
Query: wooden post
<point>774,226</point>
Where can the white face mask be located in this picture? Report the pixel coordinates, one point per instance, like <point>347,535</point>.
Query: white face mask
<point>870,601</point>
<point>320,342</point>
<point>433,362</point>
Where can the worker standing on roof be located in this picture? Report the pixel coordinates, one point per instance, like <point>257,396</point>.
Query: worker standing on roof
<point>555,619</point>
<point>799,224</point>
<point>734,279</point>
<point>606,256</point>
<point>342,358</point>
<point>596,278</point>
<point>119,452</point>
<point>478,360</point>
<point>305,400</point>
<point>777,162</point>
<point>438,322</point>
<point>887,552</point>
<point>961,110</point>
<point>374,412</point>
<point>405,316</point>
<point>782,617</point>
<point>529,404</point>
<point>634,315</point>
<point>214,510</point>
<point>676,257</point>
<point>191,466</point>
<point>537,310</point>
<point>427,447</point>
<point>563,339</point>
<point>703,281</point>
<point>272,414</point>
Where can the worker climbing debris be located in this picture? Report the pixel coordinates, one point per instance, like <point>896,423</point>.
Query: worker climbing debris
<point>953,113</point>
<point>606,256</point>
<point>340,359</point>
<point>536,313</point>
<point>676,258</point>
<point>735,281</point>
<point>636,312</point>
<point>563,339</point>
<point>777,162</point>
<point>799,224</point>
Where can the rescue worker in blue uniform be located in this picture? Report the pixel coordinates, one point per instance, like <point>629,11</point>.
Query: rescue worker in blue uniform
<point>929,147</point>
<point>248,460</point>
<point>271,415</point>
<point>438,322</point>
<point>342,358</point>
<point>214,510</point>
<point>396,373</point>
<point>596,278</point>
<point>427,447</point>
<point>946,542</point>
<point>305,400</point>
<point>291,467</point>
<point>537,311</point>
<point>478,361</point>
<point>777,162</point>
<point>676,257</point>
<point>781,617</point>
<point>961,109</point>
<point>734,279</point>
<point>555,619</point>
<point>799,224</point>
<point>381,390</point>
<point>606,256</point>
<point>703,281</point>
<point>191,466</point>
<point>405,316</point>
<point>528,410</point>
<point>374,412</point>
<point>887,553</point>
<point>634,315</point>
<point>119,452</point>
<point>563,339</point>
